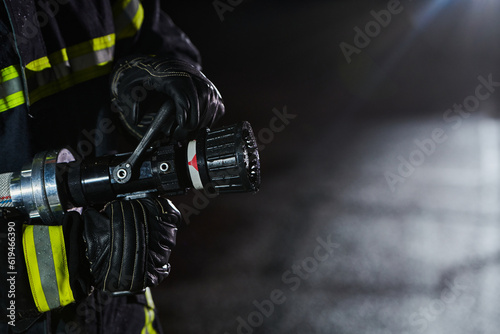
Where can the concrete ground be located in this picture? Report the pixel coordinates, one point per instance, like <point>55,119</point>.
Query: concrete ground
<point>378,211</point>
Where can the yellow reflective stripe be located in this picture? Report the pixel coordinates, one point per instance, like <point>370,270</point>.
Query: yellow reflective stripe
<point>67,54</point>
<point>12,101</point>
<point>149,298</point>
<point>95,44</point>
<point>30,256</point>
<point>149,316</point>
<point>128,16</point>
<point>61,265</point>
<point>104,42</point>
<point>9,73</point>
<point>48,273</point>
<point>136,23</point>
<point>149,313</point>
<point>11,88</point>
<point>40,64</point>
<point>69,66</point>
<point>58,71</point>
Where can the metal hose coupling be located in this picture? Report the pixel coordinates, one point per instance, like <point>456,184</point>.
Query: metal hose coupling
<point>35,190</point>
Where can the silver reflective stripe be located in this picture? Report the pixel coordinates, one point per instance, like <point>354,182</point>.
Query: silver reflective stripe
<point>10,87</point>
<point>70,66</point>
<point>45,260</point>
<point>65,69</point>
<point>126,15</point>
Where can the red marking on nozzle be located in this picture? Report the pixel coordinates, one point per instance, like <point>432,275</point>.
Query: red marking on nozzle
<point>194,163</point>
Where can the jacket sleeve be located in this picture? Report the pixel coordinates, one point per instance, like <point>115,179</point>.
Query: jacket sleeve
<point>157,34</point>
<point>44,272</point>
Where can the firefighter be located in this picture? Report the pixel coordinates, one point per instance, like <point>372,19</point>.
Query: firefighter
<point>88,75</point>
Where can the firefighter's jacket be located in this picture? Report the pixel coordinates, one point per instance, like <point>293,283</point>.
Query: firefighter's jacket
<point>55,57</point>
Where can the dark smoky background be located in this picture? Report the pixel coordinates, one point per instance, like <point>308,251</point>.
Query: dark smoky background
<point>379,141</point>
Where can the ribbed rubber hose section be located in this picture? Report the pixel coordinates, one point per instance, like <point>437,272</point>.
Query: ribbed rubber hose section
<point>5,199</point>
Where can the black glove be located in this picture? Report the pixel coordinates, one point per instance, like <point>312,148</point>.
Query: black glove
<point>128,243</point>
<point>141,84</point>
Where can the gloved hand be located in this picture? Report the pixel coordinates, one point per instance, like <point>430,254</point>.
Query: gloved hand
<point>141,84</point>
<point>128,244</point>
<point>123,248</point>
